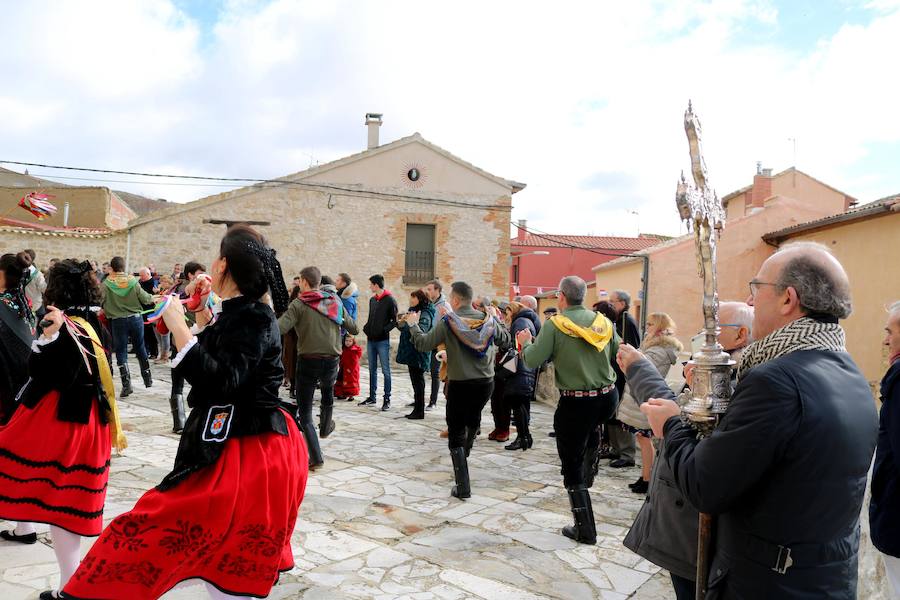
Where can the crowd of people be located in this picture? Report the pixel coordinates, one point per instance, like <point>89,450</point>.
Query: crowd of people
<point>784,472</point>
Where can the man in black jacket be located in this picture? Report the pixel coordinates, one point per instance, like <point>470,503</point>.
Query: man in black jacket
<point>622,444</point>
<point>665,529</point>
<point>382,319</point>
<point>884,509</point>
<point>785,470</point>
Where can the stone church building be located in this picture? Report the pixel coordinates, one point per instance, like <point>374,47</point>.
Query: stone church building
<point>407,209</point>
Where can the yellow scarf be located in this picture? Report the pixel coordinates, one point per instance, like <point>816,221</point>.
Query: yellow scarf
<point>597,335</point>
<point>116,435</point>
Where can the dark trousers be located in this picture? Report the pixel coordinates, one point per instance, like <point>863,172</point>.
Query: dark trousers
<point>435,377</point>
<point>311,371</point>
<point>417,377</point>
<point>465,401</point>
<point>520,404</point>
<point>499,406</point>
<point>685,589</point>
<point>575,423</point>
<point>124,329</point>
<point>150,340</point>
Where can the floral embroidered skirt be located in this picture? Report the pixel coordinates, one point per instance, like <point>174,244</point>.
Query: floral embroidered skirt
<point>229,524</point>
<point>54,471</point>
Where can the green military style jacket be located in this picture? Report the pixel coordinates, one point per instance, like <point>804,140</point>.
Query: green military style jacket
<point>577,364</point>
<point>123,297</point>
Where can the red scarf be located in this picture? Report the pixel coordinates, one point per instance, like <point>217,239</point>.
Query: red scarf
<point>325,303</point>
<point>383,293</point>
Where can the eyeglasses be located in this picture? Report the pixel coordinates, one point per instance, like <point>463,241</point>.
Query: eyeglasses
<point>754,286</point>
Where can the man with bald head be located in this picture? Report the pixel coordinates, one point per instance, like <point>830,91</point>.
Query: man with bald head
<point>785,470</point>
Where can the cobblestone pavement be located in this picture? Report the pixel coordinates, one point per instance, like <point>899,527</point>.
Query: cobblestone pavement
<point>378,520</point>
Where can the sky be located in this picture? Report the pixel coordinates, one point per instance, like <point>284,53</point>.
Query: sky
<point>582,101</point>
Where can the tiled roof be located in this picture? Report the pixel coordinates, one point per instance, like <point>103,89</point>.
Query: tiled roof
<point>589,241</point>
<point>141,204</point>
<point>885,205</point>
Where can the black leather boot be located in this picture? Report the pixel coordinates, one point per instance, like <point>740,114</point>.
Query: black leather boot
<point>591,465</point>
<point>126,381</point>
<point>176,403</point>
<point>462,489</point>
<point>583,531</point>
<point>523,439</point>
<point>316,459</point>
<point>326,423</point>
<point>145,372</point>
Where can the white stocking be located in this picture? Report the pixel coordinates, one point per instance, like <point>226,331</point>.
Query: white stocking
<point>23,528</point>
<point>215,594</point>
<point>66,546</point>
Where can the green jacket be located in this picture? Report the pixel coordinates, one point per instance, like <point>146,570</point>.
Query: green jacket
<point>462,364</point>
<point>123,302</point>
<point>316,333</point>
<point>578,366</point>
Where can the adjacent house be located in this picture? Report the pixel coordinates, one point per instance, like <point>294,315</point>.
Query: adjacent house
<point>770,203</point>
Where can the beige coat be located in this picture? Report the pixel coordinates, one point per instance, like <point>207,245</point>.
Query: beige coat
<point>663,356</point>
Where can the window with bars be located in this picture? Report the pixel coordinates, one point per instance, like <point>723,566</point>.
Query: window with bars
<point>420,253</point>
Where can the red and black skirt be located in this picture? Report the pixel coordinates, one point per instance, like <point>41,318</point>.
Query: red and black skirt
<point>229,524</point>
<point>54,471</point>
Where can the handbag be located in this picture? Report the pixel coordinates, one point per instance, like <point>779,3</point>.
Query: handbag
<point>509,361</point>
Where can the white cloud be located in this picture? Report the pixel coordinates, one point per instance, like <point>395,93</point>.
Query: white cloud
<point>582,92</point>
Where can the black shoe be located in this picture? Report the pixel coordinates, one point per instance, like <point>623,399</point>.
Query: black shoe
<point>367,402</point>
<point>413,403</point>
<point>522,442</point>
<point>52,595</point>
<point>386,406</point>
<point>415,415</point>
<point>640,487</point>
<point>431,405</point>
<point>636,482</point>
<point>621,463</point>
<point>463,488</point>
<point>552,434</point>
<point>584,530</point>
<point>10,536</point>
<point>606,453</point>
<point>351,399</point>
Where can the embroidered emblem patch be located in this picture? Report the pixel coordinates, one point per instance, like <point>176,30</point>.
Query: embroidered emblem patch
<point>218,423</point>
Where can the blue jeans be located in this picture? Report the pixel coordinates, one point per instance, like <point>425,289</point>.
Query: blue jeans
<point>123,329</point>
<point>379,352</point>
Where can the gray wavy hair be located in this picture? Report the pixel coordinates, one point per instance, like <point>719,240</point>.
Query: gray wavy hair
<point>820,287</point>
<point>573,288</point>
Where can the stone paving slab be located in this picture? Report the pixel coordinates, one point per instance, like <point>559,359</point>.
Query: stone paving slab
<point>378,520</point>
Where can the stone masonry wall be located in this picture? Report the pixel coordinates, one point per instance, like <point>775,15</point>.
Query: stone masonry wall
<point>360,235</point>
<point>47,246</point>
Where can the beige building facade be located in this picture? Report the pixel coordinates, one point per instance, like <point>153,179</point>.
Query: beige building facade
<point>674,286</point>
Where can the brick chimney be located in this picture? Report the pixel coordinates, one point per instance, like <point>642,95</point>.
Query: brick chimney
<point>373,122</point>
<point>762,187</point>
<point>522,234</point>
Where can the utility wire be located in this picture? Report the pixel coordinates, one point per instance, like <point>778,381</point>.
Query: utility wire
<point>270,183</point>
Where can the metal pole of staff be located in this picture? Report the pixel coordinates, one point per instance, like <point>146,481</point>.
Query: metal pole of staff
<point>710,392</point>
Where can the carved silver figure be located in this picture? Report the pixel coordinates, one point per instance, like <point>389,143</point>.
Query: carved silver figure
<point>701,209</point>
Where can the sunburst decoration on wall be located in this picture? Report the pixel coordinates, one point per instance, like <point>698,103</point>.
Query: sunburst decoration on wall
<point>414,175</point>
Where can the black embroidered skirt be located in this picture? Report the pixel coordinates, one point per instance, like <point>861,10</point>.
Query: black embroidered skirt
<point>54,471</point>
<point>229,524</point>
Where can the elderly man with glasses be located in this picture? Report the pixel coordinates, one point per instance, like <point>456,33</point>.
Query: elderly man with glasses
<point>785,470</point>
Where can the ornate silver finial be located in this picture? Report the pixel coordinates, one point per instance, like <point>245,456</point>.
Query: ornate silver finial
<point>700,207</point>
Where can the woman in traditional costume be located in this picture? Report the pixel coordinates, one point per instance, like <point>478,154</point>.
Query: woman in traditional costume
<point>54,452</point>
<point>16,329</point>
<point>226,513</point>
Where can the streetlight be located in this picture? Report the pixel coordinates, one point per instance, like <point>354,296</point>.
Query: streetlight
<point>518,261</point>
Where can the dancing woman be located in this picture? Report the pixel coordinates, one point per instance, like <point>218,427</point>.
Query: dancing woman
<point>54,452</point>
<point>226,513</point>
<point>16,329</point>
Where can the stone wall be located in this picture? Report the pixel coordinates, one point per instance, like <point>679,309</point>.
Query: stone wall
<point>99,247</point>
<point>359,234</point>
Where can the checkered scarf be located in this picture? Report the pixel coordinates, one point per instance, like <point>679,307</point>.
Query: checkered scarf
<point>802,334</point>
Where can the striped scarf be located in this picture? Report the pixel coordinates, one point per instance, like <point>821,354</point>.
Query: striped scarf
<point>803,334</point>
<point>474,335</point>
